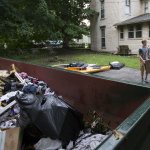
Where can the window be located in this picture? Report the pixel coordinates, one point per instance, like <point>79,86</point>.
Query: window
<point>121,33</point>
<point>135,31</point>
<point>149,30</point>
<point>128,7</point>
<point>127,2</point>
<point>102,10</point>
<point>138,30</point>
<point>131,32</point>
<point>103,42</point>
<point>146,6</point>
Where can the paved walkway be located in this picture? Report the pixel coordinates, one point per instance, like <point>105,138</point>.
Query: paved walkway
<point>125,74</point>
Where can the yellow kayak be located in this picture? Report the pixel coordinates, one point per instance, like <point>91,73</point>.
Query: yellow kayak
<point>88,69</point>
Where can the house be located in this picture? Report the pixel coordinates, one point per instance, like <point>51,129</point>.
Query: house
<point>86,39</point>
<point>119,22</point>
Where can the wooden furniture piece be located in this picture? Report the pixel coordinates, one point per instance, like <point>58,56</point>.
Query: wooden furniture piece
<point>124,50</point>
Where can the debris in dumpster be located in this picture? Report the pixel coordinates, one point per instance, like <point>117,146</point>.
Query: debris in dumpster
<point>95,122</point>
<point>23,75</point>
<point>90,68</point>
<point>87,138</point>
<point>48,144</point>
<point>118,135</point>
<point>86,68</point>
<point>51,115</point>
<point>31,136</point>
<point>30,88</point>
<point>76,64</point>
<point>4,73</point>
<point>8,124</point>
<point>11,113</point>
<point>88,141</point>
<point>2,84</point>
<point>116,65</point>
<point>4,109</point>
<point>85,141</point>
<point>17,75</point>
<point>27,101</point>
<point>7,97</point>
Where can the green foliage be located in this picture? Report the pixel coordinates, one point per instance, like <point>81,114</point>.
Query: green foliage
<point>71,13</point>
<point>25,20</point>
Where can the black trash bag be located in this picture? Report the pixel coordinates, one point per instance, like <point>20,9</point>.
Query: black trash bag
<point>116,65</point>
<point>52,116</point>
<point>76,64</point>
<point>30,88</point>
<point>31,136</point>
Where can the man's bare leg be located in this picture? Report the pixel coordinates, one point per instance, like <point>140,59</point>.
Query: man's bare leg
<point>142,74</point>
<point>146,75</point>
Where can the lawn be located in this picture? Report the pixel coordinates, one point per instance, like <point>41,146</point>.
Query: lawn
<point>61,56</point>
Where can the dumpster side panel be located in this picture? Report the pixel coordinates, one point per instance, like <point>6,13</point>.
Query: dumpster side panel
<point>114,100</point>
<point>135,131</point>
<point>138,137</point>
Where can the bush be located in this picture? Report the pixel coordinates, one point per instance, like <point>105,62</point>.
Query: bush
<point>76,45</point>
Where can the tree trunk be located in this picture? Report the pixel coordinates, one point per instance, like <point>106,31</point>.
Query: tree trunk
<point>65,42</point>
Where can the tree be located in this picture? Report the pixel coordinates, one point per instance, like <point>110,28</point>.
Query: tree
<point>70,15</point>
<point>25,20</point>
<point>8,21</point>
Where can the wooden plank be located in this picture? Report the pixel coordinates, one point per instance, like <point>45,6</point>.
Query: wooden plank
<point>3,109</point>
<point>12,139</point>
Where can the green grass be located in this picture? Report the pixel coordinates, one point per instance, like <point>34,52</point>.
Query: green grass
<point>62,56</point>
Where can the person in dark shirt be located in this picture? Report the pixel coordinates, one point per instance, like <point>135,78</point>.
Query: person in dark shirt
<point>143,55</point>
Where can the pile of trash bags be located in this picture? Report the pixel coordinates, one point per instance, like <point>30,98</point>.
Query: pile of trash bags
<point>48,121</point>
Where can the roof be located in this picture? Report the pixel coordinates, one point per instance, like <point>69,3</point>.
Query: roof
<point>138,19</point>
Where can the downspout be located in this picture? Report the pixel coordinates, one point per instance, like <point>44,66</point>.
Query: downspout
<point>118,36</point>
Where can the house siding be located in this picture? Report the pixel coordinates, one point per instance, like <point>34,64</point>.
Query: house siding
<point>135,43</point>
<point>115,12</point>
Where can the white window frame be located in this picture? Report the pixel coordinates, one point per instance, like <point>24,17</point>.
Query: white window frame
<point>137,30</point>
<point>149,30</point>
<point>102,9</point>
<point>146,6</point>
<point>131,31</point>
<point>121,33</point>
<point>134,31</point>
<point>128,7</point>
<point>128,3</point>
<point>103,37</point>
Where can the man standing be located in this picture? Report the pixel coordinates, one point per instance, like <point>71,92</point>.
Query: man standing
<point>144,55</point>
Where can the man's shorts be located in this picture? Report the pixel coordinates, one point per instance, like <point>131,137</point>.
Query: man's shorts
<point>142,66</point>
<point>147,66</point>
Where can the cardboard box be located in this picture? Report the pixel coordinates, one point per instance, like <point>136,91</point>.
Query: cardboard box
<point>147,66</point>
<point>13,139</point>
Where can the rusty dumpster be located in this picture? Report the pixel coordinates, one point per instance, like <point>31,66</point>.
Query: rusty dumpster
<point>124,105</point>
